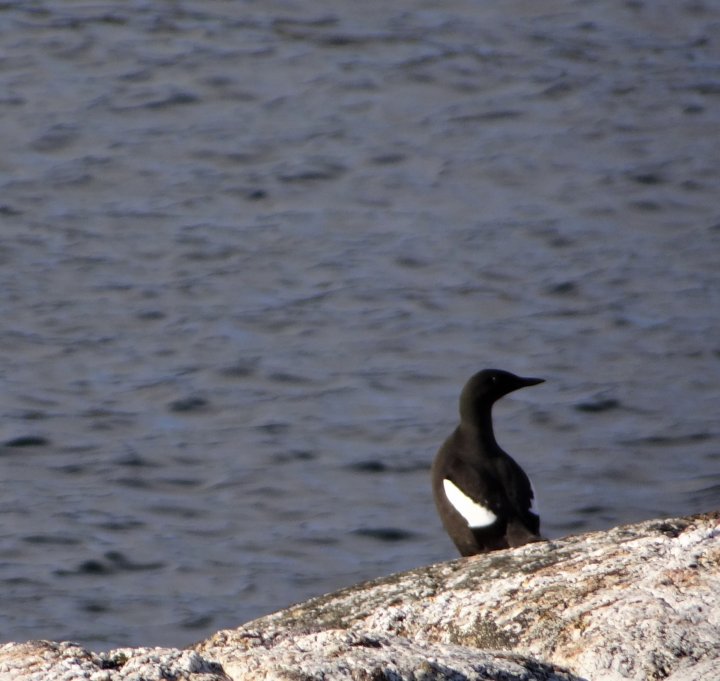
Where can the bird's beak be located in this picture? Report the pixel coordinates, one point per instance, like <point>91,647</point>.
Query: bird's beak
<point>527,382</point>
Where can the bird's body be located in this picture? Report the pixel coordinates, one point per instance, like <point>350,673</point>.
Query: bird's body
<point>485,500</point>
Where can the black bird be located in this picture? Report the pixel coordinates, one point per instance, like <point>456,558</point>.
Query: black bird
<point>484,498</point>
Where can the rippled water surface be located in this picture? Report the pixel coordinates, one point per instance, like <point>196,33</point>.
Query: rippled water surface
<point>250,252</point>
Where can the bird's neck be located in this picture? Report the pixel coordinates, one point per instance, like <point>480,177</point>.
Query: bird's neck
<point>480,428</point>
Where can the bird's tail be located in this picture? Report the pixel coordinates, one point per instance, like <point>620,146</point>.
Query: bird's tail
<point>519,535</point>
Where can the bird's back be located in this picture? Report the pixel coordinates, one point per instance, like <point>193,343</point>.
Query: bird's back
<point>483,499</point>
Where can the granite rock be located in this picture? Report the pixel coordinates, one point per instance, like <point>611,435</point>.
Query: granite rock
<point>636,602</point>
<point>51,661</point>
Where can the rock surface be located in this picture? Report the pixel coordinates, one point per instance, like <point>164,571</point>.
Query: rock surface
<point>636,602</point>
<point>39,660</point>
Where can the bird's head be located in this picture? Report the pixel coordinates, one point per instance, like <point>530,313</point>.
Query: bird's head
<point>486,387</point>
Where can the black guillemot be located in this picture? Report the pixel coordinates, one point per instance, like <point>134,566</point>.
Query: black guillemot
<point>485,500</point>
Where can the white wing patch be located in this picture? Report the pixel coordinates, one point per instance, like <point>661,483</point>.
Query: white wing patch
<point>475,514</point>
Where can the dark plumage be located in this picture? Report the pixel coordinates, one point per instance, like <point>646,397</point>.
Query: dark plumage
<point>482,495</point>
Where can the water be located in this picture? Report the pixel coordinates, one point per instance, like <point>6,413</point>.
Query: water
<point>250,252</point>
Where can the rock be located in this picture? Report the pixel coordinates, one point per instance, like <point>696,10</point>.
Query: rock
<point>355,656</point>
<point>46,660</point>
<point>636,602</point>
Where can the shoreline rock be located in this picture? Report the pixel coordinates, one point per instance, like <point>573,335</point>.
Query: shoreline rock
<point>635,602</point>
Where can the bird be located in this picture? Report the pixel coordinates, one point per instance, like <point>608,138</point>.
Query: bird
<point>484,498</point>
